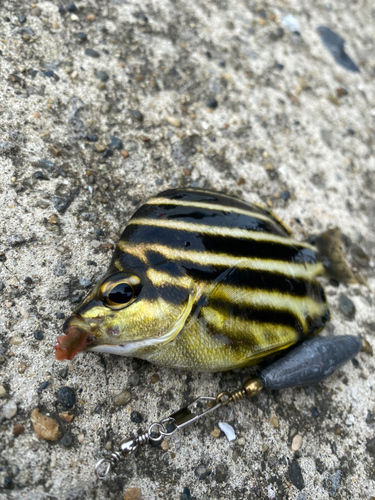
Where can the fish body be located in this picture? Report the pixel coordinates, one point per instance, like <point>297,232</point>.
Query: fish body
<point>201,281</point>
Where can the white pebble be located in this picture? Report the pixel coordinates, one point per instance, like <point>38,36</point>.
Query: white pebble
<point>95,243</point>
<point>175,122</point>
<point>241,441</point>
<point>9,409</point>
<point>297,442</point>
<point>2,391</point>
<point>74,17</point>
<point>228,430</point>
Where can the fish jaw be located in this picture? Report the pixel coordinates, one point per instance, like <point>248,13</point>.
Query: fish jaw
<point>75,340</point>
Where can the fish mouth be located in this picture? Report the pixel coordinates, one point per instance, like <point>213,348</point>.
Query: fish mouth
<point>75,340</point>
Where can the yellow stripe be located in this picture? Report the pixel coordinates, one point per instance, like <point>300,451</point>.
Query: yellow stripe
<point>288,269</point>
<point>233,232</point>
<point>258,335</point>
<point>210,206</point>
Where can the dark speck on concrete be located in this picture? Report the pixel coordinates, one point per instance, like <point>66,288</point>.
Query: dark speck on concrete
<point>38,335</point>
<point>201,472</point>
<point>92,53</point>
<point>82,37</point>
<point>63,373</point>
<point>40,176</point>
<point>2,286</point>
<point>47,164</point>
<point>335,45</point>
<point>285,195</point>
<point>314,412</point>
<point>60,315</point>
<point>136,417</point>
<point>370,446</point>
<point>28,280</point>
<point>92,137</point>
<point>91,263</point>
<point>295,475</point>
<point>42,386</point>
<point>75,299</point>
<point>346,306</point>
<point>8,483</point>
<point>107,153</point>
<point>62,11</point>
<point>137,115</point>
<point>21,18</point>
<point>100,232</point>
<point>66,397</point>
<point>134,379</point>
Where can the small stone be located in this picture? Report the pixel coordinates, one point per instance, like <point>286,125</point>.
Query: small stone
<point>66,397</point>
<point>75,299</point>
<point>95,243</point>
<point>3,391</point>
<point>16,239</point>
<point>275,422</point>
<point>81,438</point>
<point>164,445</point>
<point>241,441</point>
<point>18,429</point>
<point>264,448</point>
<point>91,17</point>
<point>131,146</point>
<point>115,143</point>
<point>154,378</point>
<point>106,108</point>
<point>36,11</point>
<point>66,417</point>
<point>137,115</point>
<point>70,7</point>
<point>92,137</point>
<point>136,417</point>
<point>370,446</point>
<point>295,476</point>
<point>84,282</point>
<point>92,53</point>
<point>102,75</point>
<point>38,335</point>
<point>2,286</point>
<point>67,441</point>
<point>297,442</point>
<point>21,18</point>
<point>134,379</point>
<point>132,494</point>
<point>15,341</point>
<point>346,306</point>
<point>201,472</point>
<point>215,433</point>
<point>212,104</point>
<point>82,37</point>
<point>9,410</point>
<point>360,256</point>
<point>6,147</point>
<point>108,446</point>
<point>99,148</point>
<point>21,368</point>
<point>43,386</point>
<point>59,270</point>
<point>40,176</point>
<point>175,122</point>
<point>122,398</point>
<point>185,495</point>
<point>124,153</point>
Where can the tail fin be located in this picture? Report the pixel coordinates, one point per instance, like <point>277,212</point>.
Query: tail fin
<point>330,245</point>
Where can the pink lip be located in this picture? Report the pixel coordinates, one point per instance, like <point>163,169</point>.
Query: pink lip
<point>73,342</point>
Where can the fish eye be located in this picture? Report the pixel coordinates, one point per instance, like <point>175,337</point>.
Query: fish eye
<point>117,294</point>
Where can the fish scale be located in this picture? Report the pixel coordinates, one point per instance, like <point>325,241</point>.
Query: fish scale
<point>222,285</point>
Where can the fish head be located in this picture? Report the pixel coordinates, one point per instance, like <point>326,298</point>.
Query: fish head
<point>128,315</point>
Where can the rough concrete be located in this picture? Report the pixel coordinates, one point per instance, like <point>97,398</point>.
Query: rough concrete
<point>306,127</point>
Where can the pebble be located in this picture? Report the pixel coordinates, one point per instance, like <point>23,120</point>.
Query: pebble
<point>241,441</point>
<point>134,379</point>
<point>84,282</point>
<point>70,7</point>
<point>76,298</point>
<point>66,416</point>
<point>15,341</point>
<point>106,108</point>
<point>9,410</point>
<point>81,438</point>
<point>132,494</point>
<point>45,427</point>
<point>370,446</point>
<point>59,270</point>
<point>115,143</point>
<point>215,433</point>
<point>2,286</point>
<point>95,243</point>
<point>18,429</point>
<point>122,398</point>
<point>43,386</point>
<point>38,335</point>
<point>275,422</point>
<point>212,104</point>
<point>67,441</point>
<point>154,378</point>
<point>290,23</point>
<point>82,37</point>
<point>164,445</point>
<point>346,306</point>
<point>297,442</point>
<point>175,122</point>
<point>3,391</point>
<point>335,45</point>
<point>16,239</point>
<point>92,53</point>
<point>92,137</point>
<point>66,396</point>
<point>131,146</point>
<point>136,417</point>
<point>361,258</point>
<point>137,115</point>
<point>102,75</point>
<point>36,11</point>
<point>99,148</point>
<point>201,472</point>
<point>21,18</point>
<point>185,495</point>
<point>315,412</point>
<point>40,176</point>
<point>295,476</point>
<point>47,164</point>
<point>21,368</point>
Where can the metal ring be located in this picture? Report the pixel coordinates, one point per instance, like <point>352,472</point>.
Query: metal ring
<point>161,430</point>
<point>107,469</point>
<point>219,396</point>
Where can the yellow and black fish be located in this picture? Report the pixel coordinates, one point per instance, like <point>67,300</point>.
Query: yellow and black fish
<point>201,281</point>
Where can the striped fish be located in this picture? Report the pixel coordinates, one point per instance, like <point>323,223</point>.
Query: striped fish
<point>201,281</point>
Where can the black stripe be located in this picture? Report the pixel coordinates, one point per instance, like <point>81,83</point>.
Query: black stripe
<point>257,314</point>
<point>247,278</point>
<point>232,246</point>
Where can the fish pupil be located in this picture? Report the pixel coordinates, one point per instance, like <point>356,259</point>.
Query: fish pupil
<point>121,294</point>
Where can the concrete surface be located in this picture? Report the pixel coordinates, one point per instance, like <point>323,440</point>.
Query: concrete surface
<point>292,129</point>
